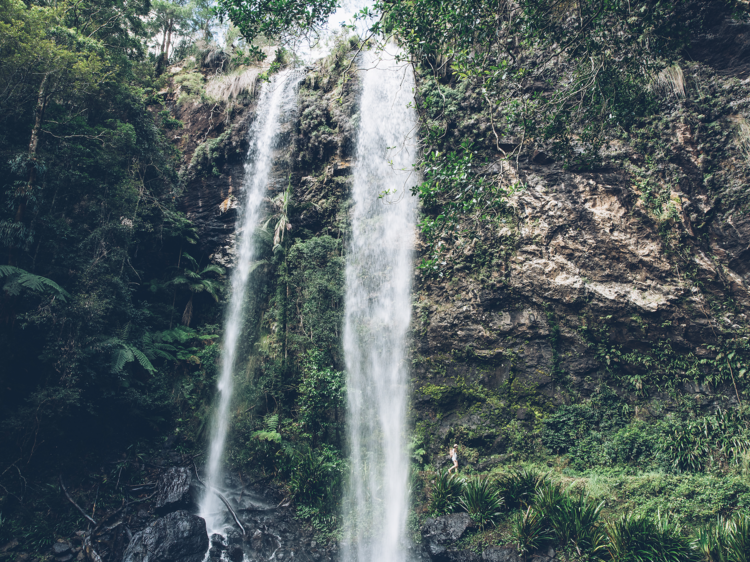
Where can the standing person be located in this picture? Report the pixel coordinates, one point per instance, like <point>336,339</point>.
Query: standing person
<point>453,454</point>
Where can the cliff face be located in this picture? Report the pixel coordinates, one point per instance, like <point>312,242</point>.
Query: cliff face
<point>633,277</point>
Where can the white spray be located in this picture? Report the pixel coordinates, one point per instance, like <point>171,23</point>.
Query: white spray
<point>379,269</point>
<point>276,98</point>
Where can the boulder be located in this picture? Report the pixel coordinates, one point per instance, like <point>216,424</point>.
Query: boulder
<point>177,537</point>
<point>500,554</point>
<point>442,531</point>
<point>174,491</point>
<point>60,548</point>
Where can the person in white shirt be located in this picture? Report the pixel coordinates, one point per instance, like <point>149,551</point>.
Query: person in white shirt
<point>453,454</point>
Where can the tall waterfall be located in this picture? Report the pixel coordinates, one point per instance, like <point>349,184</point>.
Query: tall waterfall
<point>378,310</point>
<point>276,99</point>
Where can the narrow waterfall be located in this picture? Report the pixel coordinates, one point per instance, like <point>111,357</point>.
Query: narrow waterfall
<point>379,269</point>
<point>277,98</point>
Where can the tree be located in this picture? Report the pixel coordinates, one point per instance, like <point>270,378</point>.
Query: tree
<point>195,282</point>
<point>170,18</point>
<point>279,20</point>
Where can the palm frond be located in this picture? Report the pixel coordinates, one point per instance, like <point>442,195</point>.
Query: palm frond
<point>18,278</point>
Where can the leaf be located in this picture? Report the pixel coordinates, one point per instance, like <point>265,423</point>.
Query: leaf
<point>143,360</point>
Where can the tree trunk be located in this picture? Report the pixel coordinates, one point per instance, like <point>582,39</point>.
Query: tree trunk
<point>25,192</point>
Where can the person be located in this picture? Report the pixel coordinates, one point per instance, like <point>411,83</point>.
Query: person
<point>453,454</point>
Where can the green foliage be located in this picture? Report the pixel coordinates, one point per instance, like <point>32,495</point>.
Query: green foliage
<point>530,530</point>
<point>575,521</point>
<point>518,486</point>
<point>724,540</point>
<point>638,538</point>
<point>454,191</point>
<point>445,493</point>
<point>322,394</point>
<point>16,280</point>
<point>315,477</point>
<point>481,500</point>
<point>275,19</point>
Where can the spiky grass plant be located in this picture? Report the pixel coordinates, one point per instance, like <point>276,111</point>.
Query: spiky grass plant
<point>517,488</point>
<point>725,540</point>
<point>530,530</point>
<point>640,538</point>
<point>711,542</point>
<point>573,518</point>
<point>480,498</point>
<point>445,493</point>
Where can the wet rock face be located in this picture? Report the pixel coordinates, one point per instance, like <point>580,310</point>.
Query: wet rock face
<point>174,491</point>
<point>440,532</point>
<point>177,537</point>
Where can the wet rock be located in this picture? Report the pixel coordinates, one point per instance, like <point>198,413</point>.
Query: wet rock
<point>177,537</point>
<point>500,554</point>
<point>235,554</point>
<point>440,532</point>
<point>60,548</point>
<point>174,490</point>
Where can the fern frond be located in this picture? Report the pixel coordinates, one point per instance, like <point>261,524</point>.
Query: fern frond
<point>120,357</point>
<point>191,259</point>
<point>257,264</point>
<point>213,269</point>
<point>18,277</point>
<point>143,360</point>
<point>272,422</point>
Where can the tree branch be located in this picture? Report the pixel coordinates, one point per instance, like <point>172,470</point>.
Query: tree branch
<point>78,507</point>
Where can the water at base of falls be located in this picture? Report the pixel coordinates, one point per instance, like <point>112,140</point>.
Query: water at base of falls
<point>277,101</point>
<point>379,269</point>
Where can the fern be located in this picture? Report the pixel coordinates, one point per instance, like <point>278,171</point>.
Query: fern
<point>120,357</point>
<point>18,279</point>
<point>143,360</point>
<point>272,422</point>
<point>270,432</point>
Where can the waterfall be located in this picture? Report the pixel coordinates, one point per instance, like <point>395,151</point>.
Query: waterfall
<point>379,269</point>
<point>277,98</point>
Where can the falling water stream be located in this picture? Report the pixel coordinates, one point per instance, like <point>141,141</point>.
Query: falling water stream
<point>379,269</point>
<point>277,99</point>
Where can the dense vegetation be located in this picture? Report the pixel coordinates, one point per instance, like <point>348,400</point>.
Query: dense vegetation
<point>112,310</point>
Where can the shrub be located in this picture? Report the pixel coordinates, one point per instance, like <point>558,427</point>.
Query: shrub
<point>445,493</point>
<point>639,538</point>
<point>315,476</point>
<point>530,530</point>
<point>481,500</point>
<point>725,541</point>
<point>576,522</point>
<point>517,487</point>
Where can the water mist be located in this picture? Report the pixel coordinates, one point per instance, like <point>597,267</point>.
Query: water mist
<point>277,98</point>
<point>379,269</point>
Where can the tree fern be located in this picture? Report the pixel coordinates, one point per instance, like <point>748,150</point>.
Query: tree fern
<point>17,279</point>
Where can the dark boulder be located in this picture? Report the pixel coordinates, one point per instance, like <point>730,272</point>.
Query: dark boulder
<point>442,531</point>
<point>60,548</point>
<point>500,554</point>
<point>177,537</point>
<point>175,491</point>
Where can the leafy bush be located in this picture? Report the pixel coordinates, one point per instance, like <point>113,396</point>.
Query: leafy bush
<point>517,487</point>
<point>576,523</point>
<point>446,493</point>
<point>315,476</point>
<point>640,538</point>
<point>530,530</point>
<point>724,541</point>
<point>698,444</point>
<point>480,498</point>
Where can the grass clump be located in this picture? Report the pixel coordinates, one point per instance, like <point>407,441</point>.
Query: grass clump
<point>482,501</point>
<point>446,493</point>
